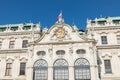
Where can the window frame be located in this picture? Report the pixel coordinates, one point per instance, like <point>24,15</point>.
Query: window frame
<point>80,51</point>
<point>60,52</point>
<point>118,39</point>
<point>0,44</point>
<point>25,43</point>
<point>81,69</point>
<point>11,44</point>
<point>41,53</point>
<point>62,70</point>
<point>40,68</point>
<point>8,71</point>
<point>22,68</point>
<point>104,40</point>
<point>107,65</point>
<point>27,27</point>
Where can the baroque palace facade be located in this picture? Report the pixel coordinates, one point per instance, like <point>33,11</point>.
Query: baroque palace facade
<point>62,52</point>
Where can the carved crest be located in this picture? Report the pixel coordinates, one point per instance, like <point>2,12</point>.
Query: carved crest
<point>60,33</point>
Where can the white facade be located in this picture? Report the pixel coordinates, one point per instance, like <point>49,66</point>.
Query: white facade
<point>61,52</point>
<point>110,28</point>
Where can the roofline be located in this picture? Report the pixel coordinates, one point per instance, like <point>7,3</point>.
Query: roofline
<point>14,25</point>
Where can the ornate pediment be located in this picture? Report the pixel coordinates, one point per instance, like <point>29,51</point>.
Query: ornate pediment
<point>60,33</point>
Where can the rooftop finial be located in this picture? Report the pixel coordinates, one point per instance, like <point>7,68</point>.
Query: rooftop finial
<point>73,23</point>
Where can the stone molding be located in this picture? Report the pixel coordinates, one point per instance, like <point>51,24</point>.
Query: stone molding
<point>105,28</point>
<point>18,33</point>
<point>13,51</point>
<point>108,47</point>
<point>23,59</point>
<point>9,60</point>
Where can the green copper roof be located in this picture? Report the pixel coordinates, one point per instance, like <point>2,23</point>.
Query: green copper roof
<point>104,19</point>
<point>14,25</point>
<point>101,19</point>
<point>115,18</point>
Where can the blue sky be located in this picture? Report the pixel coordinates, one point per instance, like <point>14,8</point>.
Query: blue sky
<point>47,11</point>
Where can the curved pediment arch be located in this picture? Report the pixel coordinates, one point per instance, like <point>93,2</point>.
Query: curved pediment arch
<point>23,59</point>
<point>60,32</point>
<point>9,60</point>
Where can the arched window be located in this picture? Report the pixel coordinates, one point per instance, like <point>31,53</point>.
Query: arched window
<point>40,70</point>
<point>60,70</point>
<point>60,52</point>
<point>82,69</point>
<point>80,51</point>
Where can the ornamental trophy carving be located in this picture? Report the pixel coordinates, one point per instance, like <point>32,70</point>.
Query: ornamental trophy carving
<point>60,34</point>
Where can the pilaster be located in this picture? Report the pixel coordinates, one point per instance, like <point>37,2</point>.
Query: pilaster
<point>50,73</point>
<point>16,67</point>
<point>94,72</point>
<point>71,73</point>
<point>3,67</point>
<point>29,70</point>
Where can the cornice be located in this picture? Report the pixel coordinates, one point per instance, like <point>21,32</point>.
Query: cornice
<point>13,51</point>
<point>109,76</point>
<point>107,28</point>
<point>18,33</point>
<point>108,46</point>
<point>62,42</point>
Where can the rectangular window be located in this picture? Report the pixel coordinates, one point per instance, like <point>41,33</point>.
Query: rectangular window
<point>118,39</point>
<point>24,44</point>
<point>116,22</point>
<point>14,28</point>
<point>22,68</point>
<point>11,44</point>
<point>101,23</point>
<point>104,39</point>
<point>2,29</point>
<point>8,69</point>
<point>107,66</point>
<point>26,27</point>
<point>0,44</point>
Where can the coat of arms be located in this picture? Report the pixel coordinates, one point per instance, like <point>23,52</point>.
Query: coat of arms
<point>60,33</point>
